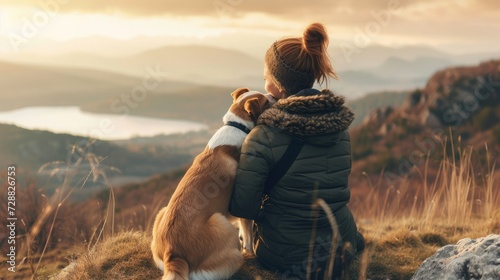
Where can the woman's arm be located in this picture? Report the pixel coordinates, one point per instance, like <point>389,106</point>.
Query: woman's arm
<point>254,165</point>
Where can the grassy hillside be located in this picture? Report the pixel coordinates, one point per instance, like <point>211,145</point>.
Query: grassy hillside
<point>116,224</point>
<point>61,153</point>
<point>31,149</point>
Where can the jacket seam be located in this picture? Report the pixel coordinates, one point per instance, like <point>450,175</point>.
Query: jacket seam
<point>270,144</point>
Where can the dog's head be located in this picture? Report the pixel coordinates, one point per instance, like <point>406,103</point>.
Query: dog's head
<point>248,105</point>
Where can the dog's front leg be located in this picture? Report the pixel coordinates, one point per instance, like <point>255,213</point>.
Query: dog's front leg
<point>246,232</point>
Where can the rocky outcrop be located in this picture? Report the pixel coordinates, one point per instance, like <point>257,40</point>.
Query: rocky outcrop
<point>450,98</point>
<point>468,259</point>
<point>454,94</point>
<point>378,116</point>
<point>444,81</point>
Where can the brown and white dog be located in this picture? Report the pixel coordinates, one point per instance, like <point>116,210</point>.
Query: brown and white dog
<point>193,237</point>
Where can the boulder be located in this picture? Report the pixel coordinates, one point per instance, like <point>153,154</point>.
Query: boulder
<point>468,259</point>
<point>378,115</point>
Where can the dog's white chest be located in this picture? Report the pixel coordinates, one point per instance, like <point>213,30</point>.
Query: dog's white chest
<point>227,135</point>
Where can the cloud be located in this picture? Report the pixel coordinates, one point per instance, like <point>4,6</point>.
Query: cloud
<point>414,21</point>
<point>131,7</point>
<point>233,8</point>
<point>287,17</point>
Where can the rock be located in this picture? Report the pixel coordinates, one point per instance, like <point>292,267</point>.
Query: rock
<point>378,115</point>
<point>468,259</point>
<point>65,273</point>
<point>430,120</point>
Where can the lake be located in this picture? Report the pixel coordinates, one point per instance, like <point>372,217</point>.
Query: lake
<point>73,120</point>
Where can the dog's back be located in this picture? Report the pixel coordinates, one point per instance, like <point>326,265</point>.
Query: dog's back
<point>188,220</point>
<point>192,236</point>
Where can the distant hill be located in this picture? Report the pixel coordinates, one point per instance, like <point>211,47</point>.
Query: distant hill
<point>201,65</point>
<point>363,106</point>
<point>97,91</point>
<point>249,43</point>
<point>206,104</point>
<point>357,84</point>
<point>398,68</point>
<point>370,69</point>
<point>191,105</point>
<point>373,56</point>
<point>35,85</point>
<point>30,149</point>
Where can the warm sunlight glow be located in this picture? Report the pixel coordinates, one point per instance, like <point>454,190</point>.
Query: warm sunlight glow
<point>73,25</point>
<point>462,24</point>
<point>126,130</point>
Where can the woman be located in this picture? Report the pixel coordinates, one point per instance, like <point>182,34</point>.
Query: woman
<point>320,170</point>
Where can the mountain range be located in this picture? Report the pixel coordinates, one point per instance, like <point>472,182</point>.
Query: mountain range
<point>370,69</point>
<point>97,90</point>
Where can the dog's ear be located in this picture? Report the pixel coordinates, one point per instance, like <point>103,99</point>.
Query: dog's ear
<point>255,106</point>
<point>238,92</point>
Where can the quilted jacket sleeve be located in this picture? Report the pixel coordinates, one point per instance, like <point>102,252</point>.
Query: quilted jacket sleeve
<point>253,169</point>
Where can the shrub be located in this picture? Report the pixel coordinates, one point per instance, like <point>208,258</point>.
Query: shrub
<point>486,118</point>
<point>386,161</point>
<point>362,144</point>
<point>496,133</point>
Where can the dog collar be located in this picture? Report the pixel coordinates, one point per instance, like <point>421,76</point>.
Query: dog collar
<point>238,126</point>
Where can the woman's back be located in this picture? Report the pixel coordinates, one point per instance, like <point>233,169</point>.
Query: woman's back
<point>285,220</point>
<point>321,169</point>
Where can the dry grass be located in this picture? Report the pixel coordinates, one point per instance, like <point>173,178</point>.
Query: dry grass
<point>53,261</point>
<point>127,256</point>
<point>402,228</point>
<point>48,226</point>
<point>396,250</point>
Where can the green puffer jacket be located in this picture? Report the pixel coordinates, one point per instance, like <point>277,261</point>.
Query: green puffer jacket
<point>284,222</point>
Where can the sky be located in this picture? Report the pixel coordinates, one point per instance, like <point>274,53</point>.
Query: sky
<point>456,26</point>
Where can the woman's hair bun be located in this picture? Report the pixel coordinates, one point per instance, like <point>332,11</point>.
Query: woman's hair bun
<point>315,39</point>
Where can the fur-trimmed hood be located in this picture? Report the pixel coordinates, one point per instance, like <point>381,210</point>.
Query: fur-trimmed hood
<point>310,112</point>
